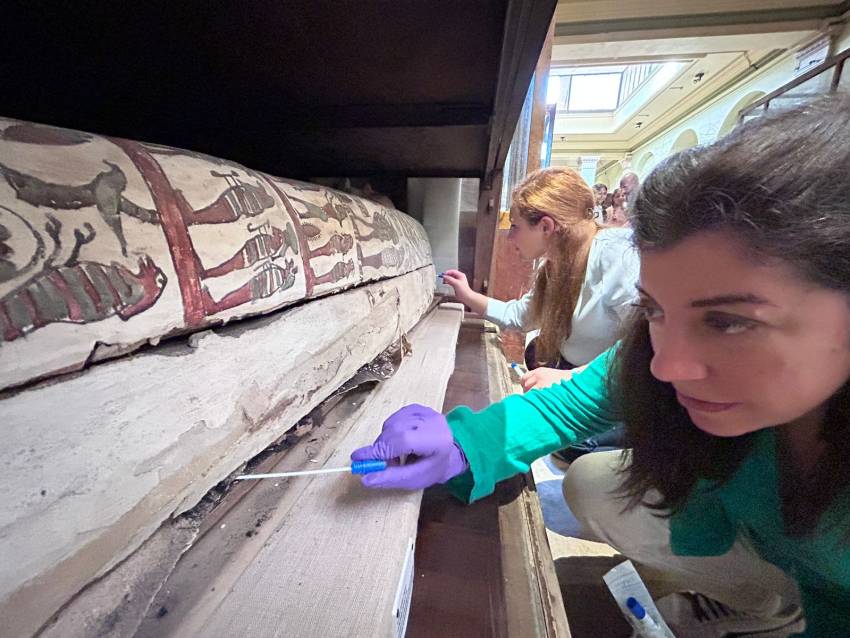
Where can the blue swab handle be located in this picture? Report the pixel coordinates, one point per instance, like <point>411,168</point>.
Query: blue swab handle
<point>368,466</point>
<point>635,607</point>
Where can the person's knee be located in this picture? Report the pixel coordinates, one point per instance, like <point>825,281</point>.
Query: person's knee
<point>586,486</point>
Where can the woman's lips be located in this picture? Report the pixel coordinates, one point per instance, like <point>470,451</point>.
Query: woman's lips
<point>703,406</point>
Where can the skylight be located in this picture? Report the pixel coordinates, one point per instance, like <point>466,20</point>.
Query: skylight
<point>599,92</point>
<point>603,88</point>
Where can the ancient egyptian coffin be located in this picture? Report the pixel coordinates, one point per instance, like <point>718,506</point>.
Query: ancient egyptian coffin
<point>106,244</point>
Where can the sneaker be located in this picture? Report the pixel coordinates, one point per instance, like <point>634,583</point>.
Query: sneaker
<point>692,615</point>
<point>568,455</point>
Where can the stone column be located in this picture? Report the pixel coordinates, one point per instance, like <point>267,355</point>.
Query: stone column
<point>439,198</point>
<point>587,168</point>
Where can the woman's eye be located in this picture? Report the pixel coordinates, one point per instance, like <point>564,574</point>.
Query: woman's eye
<point>728,324</point>
<point>648,312</point>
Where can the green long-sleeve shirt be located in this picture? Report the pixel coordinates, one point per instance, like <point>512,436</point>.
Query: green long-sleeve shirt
<point>504,439</point>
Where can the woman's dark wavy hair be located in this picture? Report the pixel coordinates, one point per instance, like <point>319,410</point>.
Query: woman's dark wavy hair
<point>781,185</point>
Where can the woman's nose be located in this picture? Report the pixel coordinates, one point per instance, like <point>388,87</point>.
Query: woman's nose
<point>675,359</point>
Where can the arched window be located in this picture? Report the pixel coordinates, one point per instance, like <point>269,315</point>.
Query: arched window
<point>731,119</point>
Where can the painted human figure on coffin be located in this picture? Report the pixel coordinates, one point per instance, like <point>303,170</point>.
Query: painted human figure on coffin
<point>64,223</point>
<point>73,291</point>
<point>327,221</point>
<point>245,246</point>
<point>116,242</point>
<point>389,241</point>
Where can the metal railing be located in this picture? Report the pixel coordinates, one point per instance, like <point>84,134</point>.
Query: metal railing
<point>633,78</point>
<point>812,83</point>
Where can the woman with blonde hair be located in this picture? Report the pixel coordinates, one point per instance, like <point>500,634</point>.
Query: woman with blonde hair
<point>582,290</point>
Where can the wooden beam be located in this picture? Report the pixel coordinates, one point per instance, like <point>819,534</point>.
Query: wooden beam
<point>509,274</point>
<point>531,584</point>
<point>335,563</point>
<point>525,35</point>
<point>525,31</point>
<point>447,150</point>
<point>778,19</point>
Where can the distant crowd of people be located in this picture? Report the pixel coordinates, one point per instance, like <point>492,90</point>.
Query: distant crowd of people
<point>612,208</point>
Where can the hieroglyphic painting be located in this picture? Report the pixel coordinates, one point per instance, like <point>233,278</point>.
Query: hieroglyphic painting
<point>114,242</point>
<point>326,219</point>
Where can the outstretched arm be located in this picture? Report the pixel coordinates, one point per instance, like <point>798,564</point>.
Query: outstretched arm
<point>477,449</point>
<point>464,293</point>
<point>506,437</point>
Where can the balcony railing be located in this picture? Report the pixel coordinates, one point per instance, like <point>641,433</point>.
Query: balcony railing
<point>827,77</point>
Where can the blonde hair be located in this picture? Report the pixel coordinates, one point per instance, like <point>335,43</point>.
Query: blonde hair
<point>562,194</point>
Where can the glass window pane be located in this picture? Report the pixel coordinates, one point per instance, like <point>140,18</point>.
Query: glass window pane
<point>594,92</point>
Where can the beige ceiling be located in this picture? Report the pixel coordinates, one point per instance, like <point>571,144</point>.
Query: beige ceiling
<point>601,10</point>
<point>669,48</point>
<point>612,20</point>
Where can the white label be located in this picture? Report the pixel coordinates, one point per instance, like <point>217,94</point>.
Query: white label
<point>401,606</point>
<point>624,581</point>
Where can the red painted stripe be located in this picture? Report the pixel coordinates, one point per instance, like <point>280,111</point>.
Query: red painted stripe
<point>10,331</point>
<point>309,274</point>
<point>172,217</point>
<point>252,251</point>
<point>91,291</point>
<point>74,311</point>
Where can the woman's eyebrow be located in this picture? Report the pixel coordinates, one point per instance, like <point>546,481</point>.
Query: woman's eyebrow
<point>720,300</point>
<point>725,300</point>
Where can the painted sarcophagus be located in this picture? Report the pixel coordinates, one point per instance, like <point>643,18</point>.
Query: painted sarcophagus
<point>106,244</point>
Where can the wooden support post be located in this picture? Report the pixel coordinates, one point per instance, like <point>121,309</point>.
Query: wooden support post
<point>485,222</point>
<point>538,109</point>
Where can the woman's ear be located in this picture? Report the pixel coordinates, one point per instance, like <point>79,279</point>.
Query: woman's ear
<point>547,224</point>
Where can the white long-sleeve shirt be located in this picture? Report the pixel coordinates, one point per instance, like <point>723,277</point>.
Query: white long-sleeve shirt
<point>604,302</point>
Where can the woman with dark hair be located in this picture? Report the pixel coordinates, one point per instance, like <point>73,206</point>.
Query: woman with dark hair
<point>615,214</point>
<point>733,383</point>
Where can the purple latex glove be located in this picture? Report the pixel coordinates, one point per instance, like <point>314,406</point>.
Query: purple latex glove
<point>425,435</point>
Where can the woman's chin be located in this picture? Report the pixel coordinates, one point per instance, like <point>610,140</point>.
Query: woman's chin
<point>720,424</point>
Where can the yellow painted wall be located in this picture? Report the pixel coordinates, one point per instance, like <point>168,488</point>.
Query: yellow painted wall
<point>714,119</point>
<point>709,122</point>
<point>610,176</point>
<point>843,40</point>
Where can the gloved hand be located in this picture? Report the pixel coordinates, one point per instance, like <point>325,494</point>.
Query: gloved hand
<point>424,435</point>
